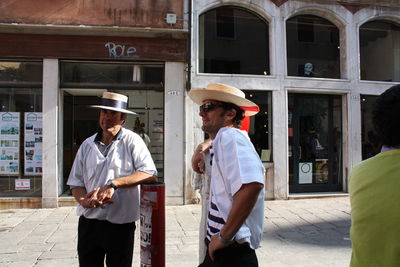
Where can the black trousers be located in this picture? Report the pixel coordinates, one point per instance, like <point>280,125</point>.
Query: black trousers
<point>236,255</point>
<point>98,239</point>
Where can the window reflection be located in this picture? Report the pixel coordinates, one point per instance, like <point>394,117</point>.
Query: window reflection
<point>20,72</point>
<point>21,132</point>
<point>380,51</point>
<point>233,40</point>
<point>260,128</point>
<point>110,75</point>
<point>315,142</point>
<point>370,142</point>
<point>313,48</point>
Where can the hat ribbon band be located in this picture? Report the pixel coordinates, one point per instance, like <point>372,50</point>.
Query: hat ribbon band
<point>113,103</point>
<point>254,108</point>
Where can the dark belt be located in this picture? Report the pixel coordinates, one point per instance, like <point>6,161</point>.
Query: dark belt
<point>234,244</point>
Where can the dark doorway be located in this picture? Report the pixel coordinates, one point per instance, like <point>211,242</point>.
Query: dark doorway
<point>315,143</point>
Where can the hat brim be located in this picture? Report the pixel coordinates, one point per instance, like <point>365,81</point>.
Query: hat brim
<point>114,109</point>
<point>198,96</point>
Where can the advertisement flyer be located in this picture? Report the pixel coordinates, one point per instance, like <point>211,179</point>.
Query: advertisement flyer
<point>9,143</point>
<point>156,133</point>
<point>33,143</point>
<point>147,202</point>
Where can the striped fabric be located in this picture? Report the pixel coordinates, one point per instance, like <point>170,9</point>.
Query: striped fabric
<point>214,220</point>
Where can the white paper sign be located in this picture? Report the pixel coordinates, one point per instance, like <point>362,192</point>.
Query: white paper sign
<point>9,143</point>
<point>305,172</point>
<point>33,143</point>
<point>22,184</point>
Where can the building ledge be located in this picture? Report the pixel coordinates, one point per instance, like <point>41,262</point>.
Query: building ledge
<point>66,201</point>
<point>317,195</point>
<point>87,30</point>
<point>20,203</point>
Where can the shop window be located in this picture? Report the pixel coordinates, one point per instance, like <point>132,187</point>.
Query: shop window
<point>370,141</point>
<point>380,51</point>
<point>83,83</point>
<point>260,125</point>
<point>313,48</point>
<point>233,40</point>
<point>20,129</point>
<point>110,75</point>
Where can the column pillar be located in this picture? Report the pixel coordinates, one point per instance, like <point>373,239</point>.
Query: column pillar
<point>50,133</point>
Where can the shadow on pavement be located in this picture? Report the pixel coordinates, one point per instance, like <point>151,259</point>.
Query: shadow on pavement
<point>327,234</point>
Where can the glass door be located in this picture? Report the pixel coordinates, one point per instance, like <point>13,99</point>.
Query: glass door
<point>315,143</point>
<point>82,84</point>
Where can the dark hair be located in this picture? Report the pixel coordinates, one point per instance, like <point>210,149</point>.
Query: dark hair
<point>237,120</point>
<point>123,116</point>
<point>385,116</point>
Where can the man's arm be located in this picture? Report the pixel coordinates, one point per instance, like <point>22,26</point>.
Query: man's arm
<point>106,192</point>
<point>134,179</point>
<point>242,205</point>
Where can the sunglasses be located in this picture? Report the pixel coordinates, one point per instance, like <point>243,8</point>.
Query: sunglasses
<point>209,106</point>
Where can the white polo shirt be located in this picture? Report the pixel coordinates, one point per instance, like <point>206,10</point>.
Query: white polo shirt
<point>236,162</point>
<point>92,169</point>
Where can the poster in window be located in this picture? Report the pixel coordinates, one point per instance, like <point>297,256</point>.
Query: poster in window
<point>33,143</point>
<point>9,143</point>
<point>305,172</point>
<point>156,134</point>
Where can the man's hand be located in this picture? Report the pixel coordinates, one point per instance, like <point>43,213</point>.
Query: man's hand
<point>105,194</point>
<point>198,161</point>
<point>198,156</point>
<point>214,245</point>
<point>90,200</point>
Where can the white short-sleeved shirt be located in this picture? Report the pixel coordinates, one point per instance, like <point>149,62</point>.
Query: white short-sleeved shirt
<point>236,162</point>
<point>92,169</point>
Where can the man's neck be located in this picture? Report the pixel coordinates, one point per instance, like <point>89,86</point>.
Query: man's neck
<point>213,135</point>
<point>108,135</point>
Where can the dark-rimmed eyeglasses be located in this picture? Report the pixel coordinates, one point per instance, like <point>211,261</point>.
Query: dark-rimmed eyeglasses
<point>209,106</point>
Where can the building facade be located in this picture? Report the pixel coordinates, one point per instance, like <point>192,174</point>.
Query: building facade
<point>314,68</point>
<point>56,60</point>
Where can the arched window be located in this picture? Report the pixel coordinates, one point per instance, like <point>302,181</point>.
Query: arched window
<point>380,51</point>
<point>233,40</point>
<point>313,48</point>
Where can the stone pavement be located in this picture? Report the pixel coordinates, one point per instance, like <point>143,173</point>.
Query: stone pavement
<point>308,232</point>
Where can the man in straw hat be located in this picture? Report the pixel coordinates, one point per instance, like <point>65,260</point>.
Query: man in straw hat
<point>104,180</point>
<point>236,209</point>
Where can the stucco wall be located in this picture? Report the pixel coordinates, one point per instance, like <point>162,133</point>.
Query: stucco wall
<point>133,13</point>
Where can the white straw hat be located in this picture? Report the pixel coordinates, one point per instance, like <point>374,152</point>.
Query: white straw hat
<point>224,93</point>
<point>115,102</point>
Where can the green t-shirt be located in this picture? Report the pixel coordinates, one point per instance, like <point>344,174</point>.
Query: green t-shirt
<point>375,211</point>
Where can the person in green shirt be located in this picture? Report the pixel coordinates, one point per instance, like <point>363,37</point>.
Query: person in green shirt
<point>375,192</point>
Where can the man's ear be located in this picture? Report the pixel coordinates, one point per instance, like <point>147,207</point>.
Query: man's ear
<point>231,114</point>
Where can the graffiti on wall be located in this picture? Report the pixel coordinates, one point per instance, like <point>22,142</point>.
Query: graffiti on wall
<point>120,51</point>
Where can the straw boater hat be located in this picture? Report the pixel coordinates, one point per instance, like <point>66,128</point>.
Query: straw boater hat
<point>115,102</point>
<point>224,93</point>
